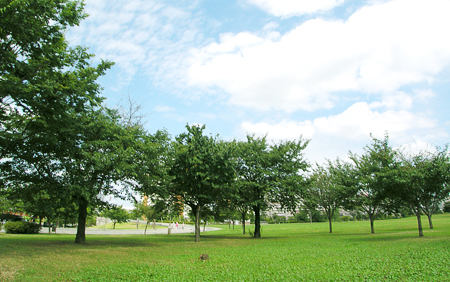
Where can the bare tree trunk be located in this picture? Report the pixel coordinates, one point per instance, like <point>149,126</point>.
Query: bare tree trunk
<point>82,215</point>
<point>330,215</point>
<point>197,223</point>
<point>257,211</point>
<point>371,218</point>
<point>145,231</point>
<point>429,213</point>
<point>419,221</point>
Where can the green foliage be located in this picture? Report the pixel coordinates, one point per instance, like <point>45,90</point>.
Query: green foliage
<point>325,191</point>
<point>446,207</point>
<point>371,178</point>
<point>421,182</point>
<point>306,215</point>
<point>346,218</point>
<point>21,227</point>
<point>268,174</point>
<point>201,171</point>
<point>117,215</point>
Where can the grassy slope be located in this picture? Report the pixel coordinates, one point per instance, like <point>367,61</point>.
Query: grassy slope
<point>289,252</point>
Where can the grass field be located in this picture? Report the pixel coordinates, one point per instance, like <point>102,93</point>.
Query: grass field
<point>287,252</point>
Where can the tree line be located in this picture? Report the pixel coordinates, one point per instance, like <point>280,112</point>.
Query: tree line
<point>61,147</point>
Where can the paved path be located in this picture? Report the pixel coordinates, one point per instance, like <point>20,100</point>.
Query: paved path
<point>150,231</point>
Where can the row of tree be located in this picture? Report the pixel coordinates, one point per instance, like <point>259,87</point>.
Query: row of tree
<point>382,180</point>
<point>60,147</point>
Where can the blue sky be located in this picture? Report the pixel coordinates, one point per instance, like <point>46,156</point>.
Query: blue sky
<point>333,71</point>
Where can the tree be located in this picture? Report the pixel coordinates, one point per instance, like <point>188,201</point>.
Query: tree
<point>324,192</point>
<point>109,154</point>
<point>42,79</point>
<point>268,174</point>
<point>423,182</point>
<point>201,170</point>
<point>49,101</point>
<point>5,204</point>
<point>103,153</point>
<point>150,212</point>
<point>117,215</point>
<point>370,178</point>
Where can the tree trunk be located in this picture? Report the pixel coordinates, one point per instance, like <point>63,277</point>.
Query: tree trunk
<point>145,231</point>
<point>419,221</point>
<point>330,216</point>
<point>257,233</point>
<point>429,220</point>
<point>154,224</point>
<point>114,225</point>
<point>371,218</point>
<point>82,215</point>
<point>197,223</point>
<point>243,221</point>
<point>329,223</point>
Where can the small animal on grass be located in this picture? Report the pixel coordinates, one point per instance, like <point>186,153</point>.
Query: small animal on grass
<point>204,257</point>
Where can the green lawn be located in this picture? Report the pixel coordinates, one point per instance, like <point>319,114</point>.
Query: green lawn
<point>287,252</point>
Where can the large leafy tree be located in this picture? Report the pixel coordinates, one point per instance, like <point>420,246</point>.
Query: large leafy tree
<point>109,155</point>
<point>42,79</point>
<point>325,191</point>
<point>201,171</point>
<point>54,133</point>
<point>422,183</point>
<point>268,174</point>
<point>371,178</point>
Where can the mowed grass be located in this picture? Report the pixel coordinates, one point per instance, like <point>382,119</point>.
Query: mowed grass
<point>287,252</point>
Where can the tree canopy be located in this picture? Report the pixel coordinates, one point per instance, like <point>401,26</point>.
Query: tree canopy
<point>268,174</point>
<point>202,169</point>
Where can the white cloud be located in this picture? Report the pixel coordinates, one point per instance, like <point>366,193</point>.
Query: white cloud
<point>396,100</point>
<point>147,37</point>
<point>379,49</point>
<point>424,94</point>
<point>335,135</point>
<point>357,122</point>
<point>289,8</point>
<point>285,130</point>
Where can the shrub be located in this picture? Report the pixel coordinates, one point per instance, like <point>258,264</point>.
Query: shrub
<point>21,227</point>
<point>446,207</point>
<point>346,218</point>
